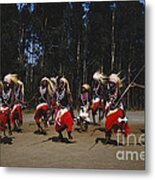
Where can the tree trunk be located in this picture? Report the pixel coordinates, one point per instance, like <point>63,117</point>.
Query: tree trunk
<point>129,79</point>
<point>113,41</point>
<point>78,65</point>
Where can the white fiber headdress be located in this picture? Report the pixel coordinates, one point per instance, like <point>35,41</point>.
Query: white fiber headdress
<point>22,86</point>
<point>11,78</point>
<point>66,84</point>
<point>86,86</point>
<point>115,79</point>
<point>99,77</point>
<point>50,86</point>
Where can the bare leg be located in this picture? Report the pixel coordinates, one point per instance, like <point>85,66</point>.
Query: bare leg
<point>45,123</point>
<point>107,137</point>
<point>101,115</point>
<point>39,126</point>
<point>60,135</point>
<point>69,135</point>
<point>93,115</point>
<point>9,125</point>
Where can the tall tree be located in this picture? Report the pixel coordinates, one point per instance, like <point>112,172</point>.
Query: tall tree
<point>9,38</point>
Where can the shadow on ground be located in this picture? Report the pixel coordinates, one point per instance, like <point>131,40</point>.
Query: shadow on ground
<point>56,140</point>
<point>63,140</point>
<point>6,140</point>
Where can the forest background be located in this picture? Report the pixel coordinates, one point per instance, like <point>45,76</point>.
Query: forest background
<point>74,39</point>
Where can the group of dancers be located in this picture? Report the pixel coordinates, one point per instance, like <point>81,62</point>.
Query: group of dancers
<point>102,97</point>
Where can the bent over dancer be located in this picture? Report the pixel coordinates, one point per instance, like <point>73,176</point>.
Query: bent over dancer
<point>16,111</point>
<point>43,109</point>
<point>41,113</point>
<point>4,111</point>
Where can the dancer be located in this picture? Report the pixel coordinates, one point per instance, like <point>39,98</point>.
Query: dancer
<point>63,108</point>
<point>16,112</point>
<point>44,109</point>
<point>83,107</point>
<point>4,111</point>
<point>41,114</point>
<point>98,95</point>
<point>9,82</point>
<point>115,113</point>
<point>46,90</point>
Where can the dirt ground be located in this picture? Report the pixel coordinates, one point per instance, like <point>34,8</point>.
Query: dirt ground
<point>26,149</point>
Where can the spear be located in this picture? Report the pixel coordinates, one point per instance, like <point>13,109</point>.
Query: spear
<point>91,147</point>
<point>128,87</point>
